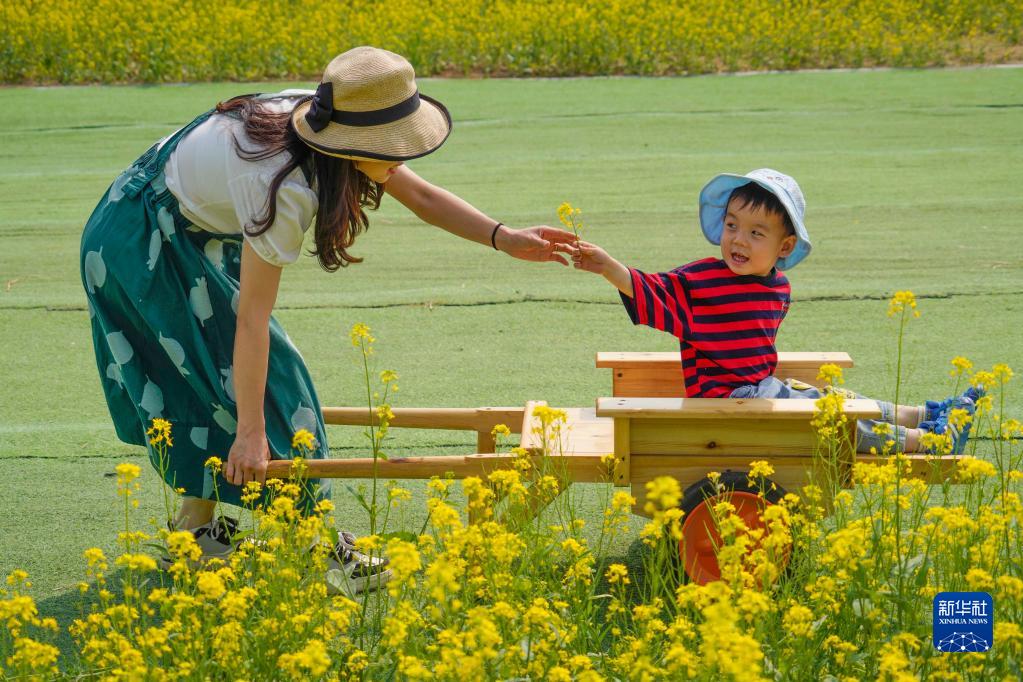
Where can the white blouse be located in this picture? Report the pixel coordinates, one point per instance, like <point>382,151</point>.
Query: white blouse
<point>221,192</point>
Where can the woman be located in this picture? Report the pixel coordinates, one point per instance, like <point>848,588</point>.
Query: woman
<point>182,261</point>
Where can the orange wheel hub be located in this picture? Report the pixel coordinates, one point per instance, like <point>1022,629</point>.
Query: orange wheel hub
<point>700,537</point>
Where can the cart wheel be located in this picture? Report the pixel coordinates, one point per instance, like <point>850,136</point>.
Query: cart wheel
<point>700,536</point>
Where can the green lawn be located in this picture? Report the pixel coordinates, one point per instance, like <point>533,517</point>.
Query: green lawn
<point>912,180</point>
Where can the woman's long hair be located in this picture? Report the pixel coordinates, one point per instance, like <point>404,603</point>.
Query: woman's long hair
<point>342,191</point>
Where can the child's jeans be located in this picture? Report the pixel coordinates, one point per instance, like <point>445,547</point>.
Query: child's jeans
<point>772,387</point>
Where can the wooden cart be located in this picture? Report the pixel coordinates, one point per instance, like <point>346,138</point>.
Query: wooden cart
<point>652,431</point>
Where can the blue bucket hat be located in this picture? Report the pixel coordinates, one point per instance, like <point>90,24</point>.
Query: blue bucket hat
<point>714,203</point>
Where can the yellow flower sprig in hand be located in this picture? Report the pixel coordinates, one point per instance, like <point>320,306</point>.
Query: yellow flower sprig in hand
<point>569,217</point>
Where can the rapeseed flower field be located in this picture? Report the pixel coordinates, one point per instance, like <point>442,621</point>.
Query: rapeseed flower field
<point>837,584</point>
<point>87,41</point>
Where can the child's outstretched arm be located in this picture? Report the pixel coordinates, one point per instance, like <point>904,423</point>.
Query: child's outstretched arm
<point>592,258</point>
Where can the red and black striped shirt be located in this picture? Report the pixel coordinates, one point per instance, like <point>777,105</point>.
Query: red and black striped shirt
<point>726,323</point>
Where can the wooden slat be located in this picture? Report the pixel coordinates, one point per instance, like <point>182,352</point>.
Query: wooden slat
<point>659,375</point>
<point>726,408</point>
<point>933,470</point>
<point>791,473</point>
<point>580,468</point>
<point>623,451</point>
<point>457,418</point>
<point>582,433</point>
<point>672,360</point>
<point>531,441</point>
<point>668,383</point>
<point>746,437</point>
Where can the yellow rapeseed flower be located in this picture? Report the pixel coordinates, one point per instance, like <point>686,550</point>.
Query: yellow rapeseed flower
<point>251,491</point>
<point>137,562</point>
<point>1011,428</point>
<point>311,662</point>
<point>214,464</point>
<point>34,656</point>
<point>984,380</point>
<point>617,574</point>
<point>662,493</point>
<point>384,413</point>
<point>969,469</point>
<point>1002,372</point>
<point>303,440</point>
<point>960,366</point>
<point>126,473</point>
<point>798,620</point>
<point>182,545</point>
<point>18,577</point>
<point>979,579</point>
<point>397,494</point>
<point>959,418</point>
<point>160,432</point>
<point>902,302</point>
<point>830,373</point>
<point>405,562</point>
<point>360,335</point>
<point>939,444</point>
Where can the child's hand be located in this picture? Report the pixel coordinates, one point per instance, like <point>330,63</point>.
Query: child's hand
<point>591,258</point>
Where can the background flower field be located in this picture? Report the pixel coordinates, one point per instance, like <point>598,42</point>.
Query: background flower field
<point>84,41</point>
<point>911,182</point>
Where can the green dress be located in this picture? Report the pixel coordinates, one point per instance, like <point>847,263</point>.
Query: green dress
<point>163,301</point>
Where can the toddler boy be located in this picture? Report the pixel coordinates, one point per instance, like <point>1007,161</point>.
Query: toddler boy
<point>726,311</point>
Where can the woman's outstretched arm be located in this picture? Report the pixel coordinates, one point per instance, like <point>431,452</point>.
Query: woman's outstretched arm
<point>437,206</point>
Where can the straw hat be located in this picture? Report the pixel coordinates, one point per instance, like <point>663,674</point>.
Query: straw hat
<point>368,107</point>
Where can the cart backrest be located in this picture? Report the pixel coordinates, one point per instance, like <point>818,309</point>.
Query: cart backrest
<point>659,375</point>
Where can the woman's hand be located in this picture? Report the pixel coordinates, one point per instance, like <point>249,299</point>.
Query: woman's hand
<point>540,243</point>
<point>247,459</point>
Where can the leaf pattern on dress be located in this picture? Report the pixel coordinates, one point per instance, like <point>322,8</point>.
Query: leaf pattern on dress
<point>227,379</point>
<point>155,244</point>
<point>114,374</point>
<point>175,352</point>
<point>152,399</point>
<point>95,270</point>
<point>303,418</point>
<point>116,192</point>
<point>199,435</point>
<point>214,251</point>
<point>224,419</point>
<point>120,349</point>
<point>165,221</point>
<point>199,299</point>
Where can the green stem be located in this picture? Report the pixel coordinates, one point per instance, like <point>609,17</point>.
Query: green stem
<point>899,449</point>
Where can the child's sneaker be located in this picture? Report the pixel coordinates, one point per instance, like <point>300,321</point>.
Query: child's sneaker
<point>350,572</point>
<point>213,538</point>
<point>933,409</point>
<point>974,393</point>
<point>959,435</point>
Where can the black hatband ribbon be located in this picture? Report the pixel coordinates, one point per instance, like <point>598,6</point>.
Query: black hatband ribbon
<point>321,111</point>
